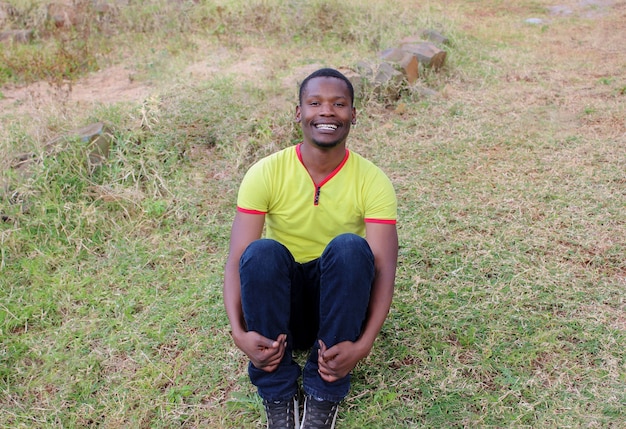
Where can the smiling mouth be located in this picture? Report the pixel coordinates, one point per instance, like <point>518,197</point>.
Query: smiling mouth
<point>326,127</point>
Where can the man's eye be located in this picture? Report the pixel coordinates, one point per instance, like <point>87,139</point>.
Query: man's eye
<point>339,104</point>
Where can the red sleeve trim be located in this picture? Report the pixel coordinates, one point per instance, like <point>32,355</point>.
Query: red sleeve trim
<point>248,211</point>
<point>385,221</point>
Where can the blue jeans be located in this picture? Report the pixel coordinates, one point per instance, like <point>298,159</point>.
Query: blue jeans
<point>326,299</point>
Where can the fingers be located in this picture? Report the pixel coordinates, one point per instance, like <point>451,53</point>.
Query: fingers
<point>337,361</point>
<point>281,340</point>
<point>268,343</point>
<point>325,354</point>
<point>323,367</point>
<point>322,349</point>
<point>326,376</point>
<point>266,353</point>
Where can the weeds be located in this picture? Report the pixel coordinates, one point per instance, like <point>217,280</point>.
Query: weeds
<point>509,299</point>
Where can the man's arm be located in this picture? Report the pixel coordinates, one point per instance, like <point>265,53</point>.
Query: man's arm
<point>265,353</point>
<point>337,361</point>
<point>383,240</point>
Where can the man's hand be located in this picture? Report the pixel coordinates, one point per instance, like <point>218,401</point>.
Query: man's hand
<point>337,362</point>
<point>264,353</point>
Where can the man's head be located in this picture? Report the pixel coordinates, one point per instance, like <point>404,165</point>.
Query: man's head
<point>327,72</point>
<point>326,109</point>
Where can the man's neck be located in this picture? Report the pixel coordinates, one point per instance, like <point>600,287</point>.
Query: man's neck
<point>320,162</point>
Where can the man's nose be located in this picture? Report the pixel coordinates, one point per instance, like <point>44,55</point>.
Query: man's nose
<point>327,109</point>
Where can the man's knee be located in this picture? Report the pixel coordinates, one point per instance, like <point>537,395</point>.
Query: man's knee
<point>265,256</point>
<point>349,239</point>
<point>348,244</point>
<point>264,248</point>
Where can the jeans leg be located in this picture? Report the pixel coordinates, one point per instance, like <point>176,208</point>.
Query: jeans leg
<point>266,271</point>
<point>346,270</point>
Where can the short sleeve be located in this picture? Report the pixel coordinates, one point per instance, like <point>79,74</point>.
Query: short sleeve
<point>381,202</point>
<point>253,196</point>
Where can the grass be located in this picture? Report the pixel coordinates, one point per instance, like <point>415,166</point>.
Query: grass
<point>509,304</point>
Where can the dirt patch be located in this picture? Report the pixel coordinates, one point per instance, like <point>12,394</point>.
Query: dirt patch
<point>113,85</point>
<point>118,84</point>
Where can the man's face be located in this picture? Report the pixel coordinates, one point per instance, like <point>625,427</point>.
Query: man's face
<point>326,112</point>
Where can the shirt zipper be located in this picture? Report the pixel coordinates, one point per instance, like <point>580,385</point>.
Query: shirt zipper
<point>318,188</point>
<point>316,201</point>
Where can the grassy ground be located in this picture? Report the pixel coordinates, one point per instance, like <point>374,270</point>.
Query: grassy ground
<point>510,305</point>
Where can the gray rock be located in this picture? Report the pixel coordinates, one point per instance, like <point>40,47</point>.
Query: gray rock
<point>99,137</point>
<point>535,21</point>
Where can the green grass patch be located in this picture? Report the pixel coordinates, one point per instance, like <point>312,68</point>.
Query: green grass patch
<point>509,306</point>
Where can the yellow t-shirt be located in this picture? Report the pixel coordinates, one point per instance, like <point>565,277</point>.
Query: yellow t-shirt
<point>305,216</point>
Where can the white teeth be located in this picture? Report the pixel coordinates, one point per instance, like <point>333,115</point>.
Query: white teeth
<point>326,127</point>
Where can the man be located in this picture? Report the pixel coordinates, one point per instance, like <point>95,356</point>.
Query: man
<point>323,276</point>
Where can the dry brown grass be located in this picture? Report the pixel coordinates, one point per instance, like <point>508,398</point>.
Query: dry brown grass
<point>509,304</point>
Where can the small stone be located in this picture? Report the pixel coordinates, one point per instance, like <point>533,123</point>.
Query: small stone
<point>534,21</point>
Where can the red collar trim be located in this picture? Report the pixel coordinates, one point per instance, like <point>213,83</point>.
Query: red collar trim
<point>332,173</point>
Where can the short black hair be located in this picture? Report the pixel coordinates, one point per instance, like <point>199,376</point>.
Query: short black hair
<point>326,72</point>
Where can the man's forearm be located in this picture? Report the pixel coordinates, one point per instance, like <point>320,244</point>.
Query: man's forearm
<point>232,300</point>
<point>380,303</point>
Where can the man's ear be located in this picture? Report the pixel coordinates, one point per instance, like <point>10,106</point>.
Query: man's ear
<point>298,114</point>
